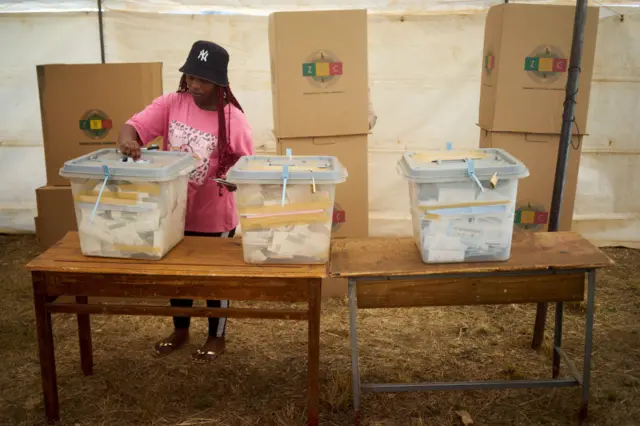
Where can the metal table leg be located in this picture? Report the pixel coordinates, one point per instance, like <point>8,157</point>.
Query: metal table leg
<point>557,340</point>
<point>577,379</point>
<point>588,344</point>
<point>353,334</point>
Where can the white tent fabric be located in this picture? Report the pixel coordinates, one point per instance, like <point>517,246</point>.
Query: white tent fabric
<point>261,7</point>
<point>424,61</point>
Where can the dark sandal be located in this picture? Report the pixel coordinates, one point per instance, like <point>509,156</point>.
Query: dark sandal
<point>168,345</point>
<point>209,351</point>
<point>204,355</point>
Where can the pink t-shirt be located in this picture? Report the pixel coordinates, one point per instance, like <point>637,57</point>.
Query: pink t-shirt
<point>187,128</point>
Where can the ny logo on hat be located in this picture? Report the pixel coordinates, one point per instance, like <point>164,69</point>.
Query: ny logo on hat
<point>203,55</point>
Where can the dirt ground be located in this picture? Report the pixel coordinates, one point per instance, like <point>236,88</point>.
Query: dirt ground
<point>261,378</point>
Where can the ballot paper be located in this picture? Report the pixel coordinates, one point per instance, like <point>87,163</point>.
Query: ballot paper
<point>297,230</point>
<point>462,202</point>
<point>130,219</point>
<point>457,222</point>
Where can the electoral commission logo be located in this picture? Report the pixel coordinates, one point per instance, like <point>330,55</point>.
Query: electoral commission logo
<point>322,69</point>
<point>95,124</point>
<point>531,217</point>
<point>489,63</point>
<point>545,64</point>
<point>339,217</point>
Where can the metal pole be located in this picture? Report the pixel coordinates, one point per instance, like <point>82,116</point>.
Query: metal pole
<point>588,345</point>
<point>101,29</point>
<point>565,144</point>
<point>557,345</point>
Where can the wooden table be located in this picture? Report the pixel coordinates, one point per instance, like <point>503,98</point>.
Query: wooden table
<point>544,267</point>
<point>198,268</point>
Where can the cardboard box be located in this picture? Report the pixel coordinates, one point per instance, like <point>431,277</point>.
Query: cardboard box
<point>84,106</point>
<point>319,73</point>
<point>56,214</point>
<point>351,212</point>
<point>334,287</point>
<point>525,68</point>
<point>539,153</point>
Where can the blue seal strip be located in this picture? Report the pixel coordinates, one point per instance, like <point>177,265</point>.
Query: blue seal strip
<point>107,175</point>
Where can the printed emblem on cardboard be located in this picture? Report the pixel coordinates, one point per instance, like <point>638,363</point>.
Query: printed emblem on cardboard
<point>322,69</point>
<point>546,64</point>
<point>339,217</point>
<point>489,63</point>
<point>95,124</point>
<point>530,217</point>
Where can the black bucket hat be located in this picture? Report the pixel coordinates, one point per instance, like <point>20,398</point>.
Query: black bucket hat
<point>207,61</point>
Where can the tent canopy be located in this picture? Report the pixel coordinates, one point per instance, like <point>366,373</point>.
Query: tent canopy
<point>424,59</point>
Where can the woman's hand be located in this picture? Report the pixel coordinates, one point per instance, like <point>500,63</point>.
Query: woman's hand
<point>130,148</point>
<point>128,141</point>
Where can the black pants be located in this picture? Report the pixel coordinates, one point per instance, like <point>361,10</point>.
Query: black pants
<point>217,326</point>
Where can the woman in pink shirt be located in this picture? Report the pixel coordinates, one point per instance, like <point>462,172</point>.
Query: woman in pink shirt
<point>205,119</point>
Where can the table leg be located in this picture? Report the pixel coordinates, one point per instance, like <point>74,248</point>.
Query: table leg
<point>84,334</point>
<point>557,341</point>
<point>313,366</point>
<point>46,352</point>
<point>355,371</point>
<point>588,344</point>
<point>539,326</point>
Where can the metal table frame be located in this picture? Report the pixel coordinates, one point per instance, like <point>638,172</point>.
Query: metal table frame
<point>577,379</point>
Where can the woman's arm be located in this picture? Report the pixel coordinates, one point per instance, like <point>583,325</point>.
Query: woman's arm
<point>145,126</point>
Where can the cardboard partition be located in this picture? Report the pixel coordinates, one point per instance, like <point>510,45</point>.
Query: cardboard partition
<point>83,107</point>
<point>351,210</point>
<point>319,73</point>
<point>525,68</point>
<point>539,152</point>
<point>334,287</point>
<point>56,214</point>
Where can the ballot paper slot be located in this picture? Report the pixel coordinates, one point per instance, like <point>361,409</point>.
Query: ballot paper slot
<point>305,166</point>
<point>131,160</point>
<point>448,155</point>
<point>450,161</point>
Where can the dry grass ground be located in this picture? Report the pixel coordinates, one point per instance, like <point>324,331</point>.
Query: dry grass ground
<point>261,379</point>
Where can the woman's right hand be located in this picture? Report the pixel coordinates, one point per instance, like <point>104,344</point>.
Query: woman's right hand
<point>130,148</point>
<point>128,142</point>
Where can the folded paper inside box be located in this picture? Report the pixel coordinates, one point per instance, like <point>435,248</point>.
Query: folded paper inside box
<point>457,222</point>
<point>140,220</point>
<point>298,230</point>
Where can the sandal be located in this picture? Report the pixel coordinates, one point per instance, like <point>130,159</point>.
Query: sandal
<point>174,342</point>
<point>211,350</point>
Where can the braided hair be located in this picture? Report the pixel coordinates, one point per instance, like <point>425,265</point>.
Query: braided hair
<point>223,96</point>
